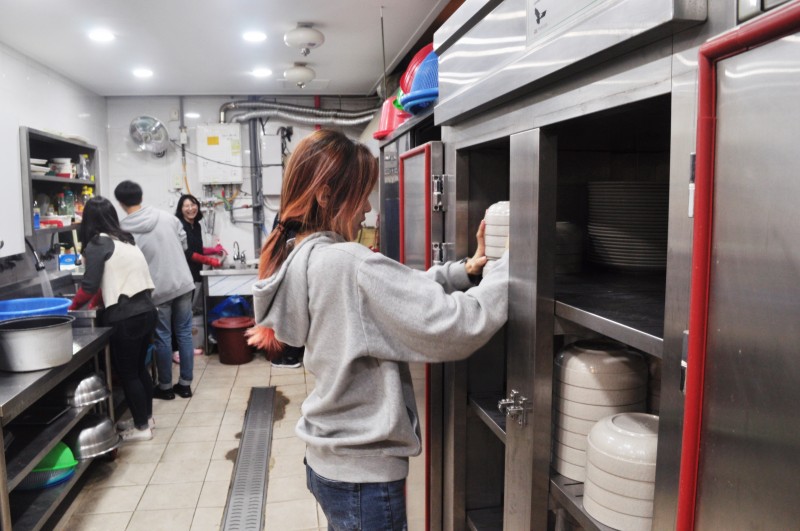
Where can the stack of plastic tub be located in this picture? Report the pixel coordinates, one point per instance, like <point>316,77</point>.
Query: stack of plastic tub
<point>593,379</point>
<point>498,217</point>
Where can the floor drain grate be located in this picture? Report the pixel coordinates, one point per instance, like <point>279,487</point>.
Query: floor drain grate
<point>248,493</point>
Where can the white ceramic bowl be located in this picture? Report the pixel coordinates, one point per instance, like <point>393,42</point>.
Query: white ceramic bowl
<point>572,424</point>
<point>498,213</point>
<point>614,519</point>
<point>592,412</point>
<point>601,380</point>
<point>494,252</point>
<point>570,438</point>
<point>496,241</point>
<point>625,445</point>
<point>599,397</point>
<point>496,230</point>
<point>568,470</point>
<point>600,356</point>
<point>642,490</point>
<point>618,502</point>
<point>569,454</point>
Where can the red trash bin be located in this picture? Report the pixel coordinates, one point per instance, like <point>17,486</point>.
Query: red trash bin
<point>233,347</point>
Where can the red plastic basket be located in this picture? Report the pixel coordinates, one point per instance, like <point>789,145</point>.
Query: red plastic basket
<point>391,117</point>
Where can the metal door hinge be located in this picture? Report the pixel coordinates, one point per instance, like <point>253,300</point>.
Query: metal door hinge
<point>438,199</point>
<point>515,406</point>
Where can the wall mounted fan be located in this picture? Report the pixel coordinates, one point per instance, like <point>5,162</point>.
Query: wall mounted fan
<point>150,135</point>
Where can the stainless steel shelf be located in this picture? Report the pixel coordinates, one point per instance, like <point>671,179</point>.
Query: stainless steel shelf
<point>31,509</point>
<point>486,409</point>
<point>20,464</point>
<point>61,180</point>
<point>568,493</point>
<point>490,519</point>
<point>625,307</point>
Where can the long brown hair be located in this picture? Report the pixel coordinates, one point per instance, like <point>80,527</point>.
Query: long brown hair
<point>323,158</point>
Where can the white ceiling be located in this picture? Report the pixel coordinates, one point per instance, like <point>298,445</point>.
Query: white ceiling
<point>195,47</point>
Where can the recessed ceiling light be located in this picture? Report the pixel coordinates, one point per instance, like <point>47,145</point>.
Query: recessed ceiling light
<point>143,73</point>
<point>254,36</point>
<point>262,72</point>
<point>192,115</point>
<point>101,35</point>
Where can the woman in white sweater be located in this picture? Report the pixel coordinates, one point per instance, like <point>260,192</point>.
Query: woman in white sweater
<point>362,318</point>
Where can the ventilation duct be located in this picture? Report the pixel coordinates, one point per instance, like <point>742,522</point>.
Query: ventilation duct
<point>289,111</point>
<point>303,120</point>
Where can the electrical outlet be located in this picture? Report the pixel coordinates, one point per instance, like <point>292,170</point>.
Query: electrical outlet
<point>173,114</point>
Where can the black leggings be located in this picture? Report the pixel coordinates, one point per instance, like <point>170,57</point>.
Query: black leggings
<point>130,340</point>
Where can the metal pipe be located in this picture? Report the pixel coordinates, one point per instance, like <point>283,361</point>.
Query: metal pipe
<point>288,108</point>
<point>304,120</point>
<point>255,183</point>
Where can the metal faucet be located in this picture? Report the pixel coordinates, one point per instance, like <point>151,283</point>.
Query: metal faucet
<point>37,261</point>
<point>236,255</point>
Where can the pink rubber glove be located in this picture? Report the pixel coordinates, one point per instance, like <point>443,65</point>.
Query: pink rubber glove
<point>217,249</point>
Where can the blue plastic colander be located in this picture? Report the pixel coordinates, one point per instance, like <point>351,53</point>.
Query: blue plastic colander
<point>425,87</point>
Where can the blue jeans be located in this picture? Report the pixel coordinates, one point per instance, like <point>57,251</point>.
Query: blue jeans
<point>174,317</point>
<point>360,506</point>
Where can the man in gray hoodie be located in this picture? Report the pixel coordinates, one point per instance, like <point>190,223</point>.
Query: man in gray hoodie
<point>162,239</point>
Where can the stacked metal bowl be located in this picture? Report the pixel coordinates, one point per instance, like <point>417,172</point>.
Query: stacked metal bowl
<point>620,471</point>
<point>593,379</point>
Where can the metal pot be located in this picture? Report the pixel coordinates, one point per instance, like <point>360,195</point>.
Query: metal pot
<point>35,343</point>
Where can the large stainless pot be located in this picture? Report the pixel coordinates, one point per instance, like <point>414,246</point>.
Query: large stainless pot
<point>35,343</point>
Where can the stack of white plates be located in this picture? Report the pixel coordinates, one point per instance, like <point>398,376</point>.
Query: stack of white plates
<point>497,220</point>
<point>569,247</point>
<point>593,379</point>
<point>627,224</point>
<point>621,471</point>
<point>39,166</point>
<point>654,387</point>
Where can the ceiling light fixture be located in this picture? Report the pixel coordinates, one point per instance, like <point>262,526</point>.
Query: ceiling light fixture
<point>261,72</point>
<point>254,36</point>
<point>143,73</point>
<point>101,35</point>
<point>299,74</point>
<point>304,37</point>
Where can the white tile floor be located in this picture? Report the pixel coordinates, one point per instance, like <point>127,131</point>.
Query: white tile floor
<point>179,481</point>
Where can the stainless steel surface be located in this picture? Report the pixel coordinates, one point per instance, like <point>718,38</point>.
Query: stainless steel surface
<point>416,171</point>
<point>569,493</point>
<point>676,304</point>
<point>95,435</point>
<point>529,362</point>
<point>89,390</point>
<point>603,29</point>
<point>749,453</point>
<point>35,343</point>
<point>466,16</point>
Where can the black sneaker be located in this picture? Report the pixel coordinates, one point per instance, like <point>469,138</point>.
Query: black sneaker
<point>287,362</point>
<point>183,391</point>
<point>163,394</point>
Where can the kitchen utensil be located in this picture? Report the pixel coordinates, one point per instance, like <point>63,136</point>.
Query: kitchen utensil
<point>35,343</point>
<point>599,397</point>
<point>391,117</point>
<point>94,435</point>
<point>15,308</point>
<point>90,390</point>
<point>56,467</point>
<point>644,490</point>
<point>625,445</point>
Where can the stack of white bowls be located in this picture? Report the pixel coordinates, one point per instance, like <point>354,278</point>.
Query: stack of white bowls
<point>593,379</point>
<point>569,247</point>
<point>497,220</point>
<point>621,471</point>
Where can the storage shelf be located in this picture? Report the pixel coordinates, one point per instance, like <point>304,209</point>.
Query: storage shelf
<point>490,519</point>
<point>61,180</point>
<point>36,447</point>
<point>31,509</point>
<point>52,230</point>
<point>568,494</point>
<point>486,409</point>
<point>625,307</point>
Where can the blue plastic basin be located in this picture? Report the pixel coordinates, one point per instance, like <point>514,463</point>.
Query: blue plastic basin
<point>14,308</point>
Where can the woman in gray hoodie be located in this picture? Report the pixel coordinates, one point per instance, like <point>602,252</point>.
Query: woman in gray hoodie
<point>362,318</point>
